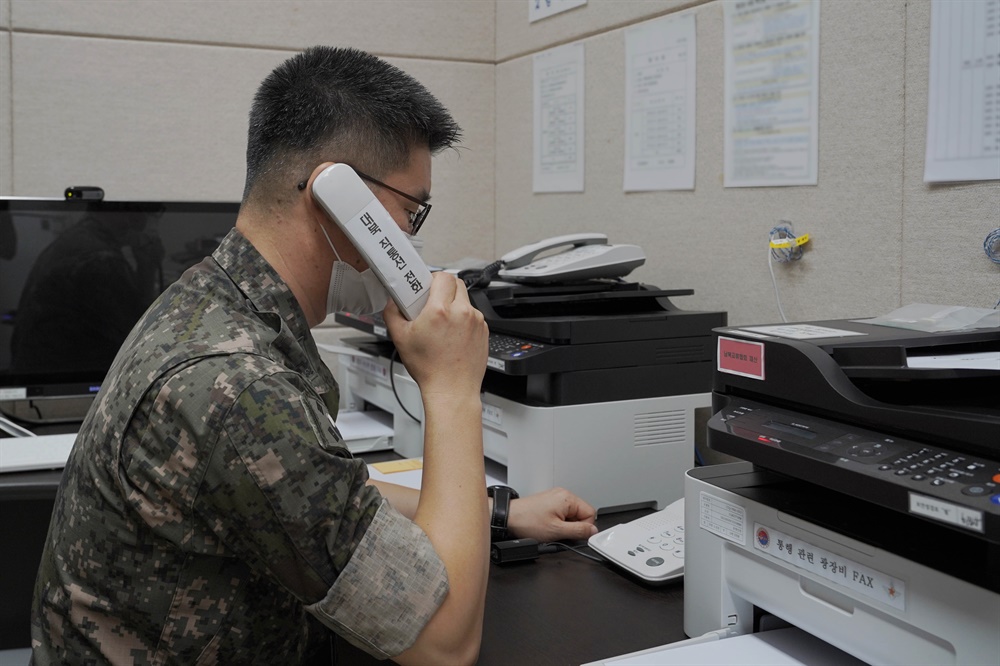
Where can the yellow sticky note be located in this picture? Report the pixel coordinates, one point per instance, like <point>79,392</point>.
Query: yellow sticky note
<point>407,465</point>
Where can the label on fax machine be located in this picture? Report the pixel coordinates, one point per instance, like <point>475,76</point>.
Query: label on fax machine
<point>830,566</point>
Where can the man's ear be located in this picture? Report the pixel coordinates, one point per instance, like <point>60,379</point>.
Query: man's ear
<point>307,185</point>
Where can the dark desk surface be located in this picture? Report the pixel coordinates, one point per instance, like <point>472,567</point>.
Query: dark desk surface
<point>561,608</point>
<point>564,609</point>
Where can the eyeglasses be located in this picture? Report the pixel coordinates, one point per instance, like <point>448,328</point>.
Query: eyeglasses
<point>417,217</point>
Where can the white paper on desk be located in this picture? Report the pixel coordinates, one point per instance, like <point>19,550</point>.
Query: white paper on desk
<point>779,647</point>
<point>973,361</point>
<point>342,349</point>
<point>22,454</point>
<point>771,93</point>
<point>558,129</point>
<point>362,425</point>
<point>963,131</point>
<point>660,105</point>
<point>412,478</point>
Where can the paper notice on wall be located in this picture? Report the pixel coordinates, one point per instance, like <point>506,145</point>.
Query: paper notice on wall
<point>771,93</point>
<point>963,109</point>
<point>539,9</point>
<point>660,105</point>
<point>558,132</point>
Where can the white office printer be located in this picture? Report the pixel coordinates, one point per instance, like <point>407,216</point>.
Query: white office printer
<point>868,513</point>
<point>751,564</point>
<point>597,387</point>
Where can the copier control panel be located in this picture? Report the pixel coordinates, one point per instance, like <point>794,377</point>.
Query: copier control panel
<point>957,489</point>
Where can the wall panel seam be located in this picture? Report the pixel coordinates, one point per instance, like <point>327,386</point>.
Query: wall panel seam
<point>238,45</point>
<point>902,168</point>
<point>9,102</point>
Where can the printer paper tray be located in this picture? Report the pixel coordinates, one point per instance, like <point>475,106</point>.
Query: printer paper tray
<point>779,647</point>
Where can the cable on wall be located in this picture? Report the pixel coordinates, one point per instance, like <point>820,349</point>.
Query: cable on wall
<point>783,246</point>
<point>992,245</point>
<point>992,248</point>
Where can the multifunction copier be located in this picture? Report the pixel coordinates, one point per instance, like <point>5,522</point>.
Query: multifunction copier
<point>867,511</point>
<point>593,386</point>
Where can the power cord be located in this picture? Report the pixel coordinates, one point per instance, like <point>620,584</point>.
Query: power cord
<point>783,246</point>
<point>992,245</point>
<point>992,248</point>
<point>554,546</point>
<point>392,381</point>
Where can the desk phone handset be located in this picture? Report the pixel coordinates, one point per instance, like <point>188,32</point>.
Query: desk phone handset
<point>588,256</point>
<point>359,214</point>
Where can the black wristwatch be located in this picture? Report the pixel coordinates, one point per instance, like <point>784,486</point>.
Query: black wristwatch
<point>502,495</point>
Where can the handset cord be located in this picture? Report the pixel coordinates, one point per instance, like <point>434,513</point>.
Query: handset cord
<point>480,278</point>
<point>474,278</point>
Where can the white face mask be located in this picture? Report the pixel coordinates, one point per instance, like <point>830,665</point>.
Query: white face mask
<point>351,291</point>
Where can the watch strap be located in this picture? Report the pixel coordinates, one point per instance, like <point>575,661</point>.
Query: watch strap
<point>502,495</point>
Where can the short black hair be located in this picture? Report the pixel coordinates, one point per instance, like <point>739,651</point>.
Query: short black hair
<point>339,104</point>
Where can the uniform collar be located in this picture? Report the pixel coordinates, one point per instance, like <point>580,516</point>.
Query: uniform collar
<point>265,291</point>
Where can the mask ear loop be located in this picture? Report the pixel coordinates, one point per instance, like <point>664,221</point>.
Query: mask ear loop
<point>330,242</point>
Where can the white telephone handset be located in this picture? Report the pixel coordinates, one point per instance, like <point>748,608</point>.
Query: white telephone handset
<point>588,256</point>
<point>356,210</point>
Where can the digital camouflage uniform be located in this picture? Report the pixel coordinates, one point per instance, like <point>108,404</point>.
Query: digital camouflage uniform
<point>209,512</point>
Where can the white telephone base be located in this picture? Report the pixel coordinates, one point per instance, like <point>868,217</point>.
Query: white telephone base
<point>650,547</point>
<point>589,257</point>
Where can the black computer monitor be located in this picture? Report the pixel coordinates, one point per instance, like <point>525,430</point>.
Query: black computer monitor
<point>75,276</point>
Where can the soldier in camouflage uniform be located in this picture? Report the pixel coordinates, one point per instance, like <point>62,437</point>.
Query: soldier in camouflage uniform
<point>209,512</point>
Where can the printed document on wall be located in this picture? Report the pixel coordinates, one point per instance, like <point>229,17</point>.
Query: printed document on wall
<point>963,108</point>
<point>772,93</point>
<point>539,9</point>
<point>558,81</point>
<point>660,105</point>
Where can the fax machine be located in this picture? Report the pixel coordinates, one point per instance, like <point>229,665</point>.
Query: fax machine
<point>867,513</point>
<point>594,386</point>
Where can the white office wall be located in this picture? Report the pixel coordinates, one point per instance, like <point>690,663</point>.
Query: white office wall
<point>162,89</point>
<point>441,29</point>
<point>881,237</point>
<point>149,100</point>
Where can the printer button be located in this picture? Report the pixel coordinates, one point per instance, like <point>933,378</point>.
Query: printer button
<point>902,472</point>
<point>654,561</point>
<point>974,491</point>
<point>938,482</point>
<point>918,477</point>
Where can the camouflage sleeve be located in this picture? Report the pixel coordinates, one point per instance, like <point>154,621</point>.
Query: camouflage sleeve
<point>385,596</point>
<point>293,501</point>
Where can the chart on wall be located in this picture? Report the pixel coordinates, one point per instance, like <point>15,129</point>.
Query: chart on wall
<point>963,109</point>
<point>558,128</point>
<point>660,84</point>
<point>771,93</point>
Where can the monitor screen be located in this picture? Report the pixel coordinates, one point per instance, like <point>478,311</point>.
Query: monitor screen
<point>75,276</point>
